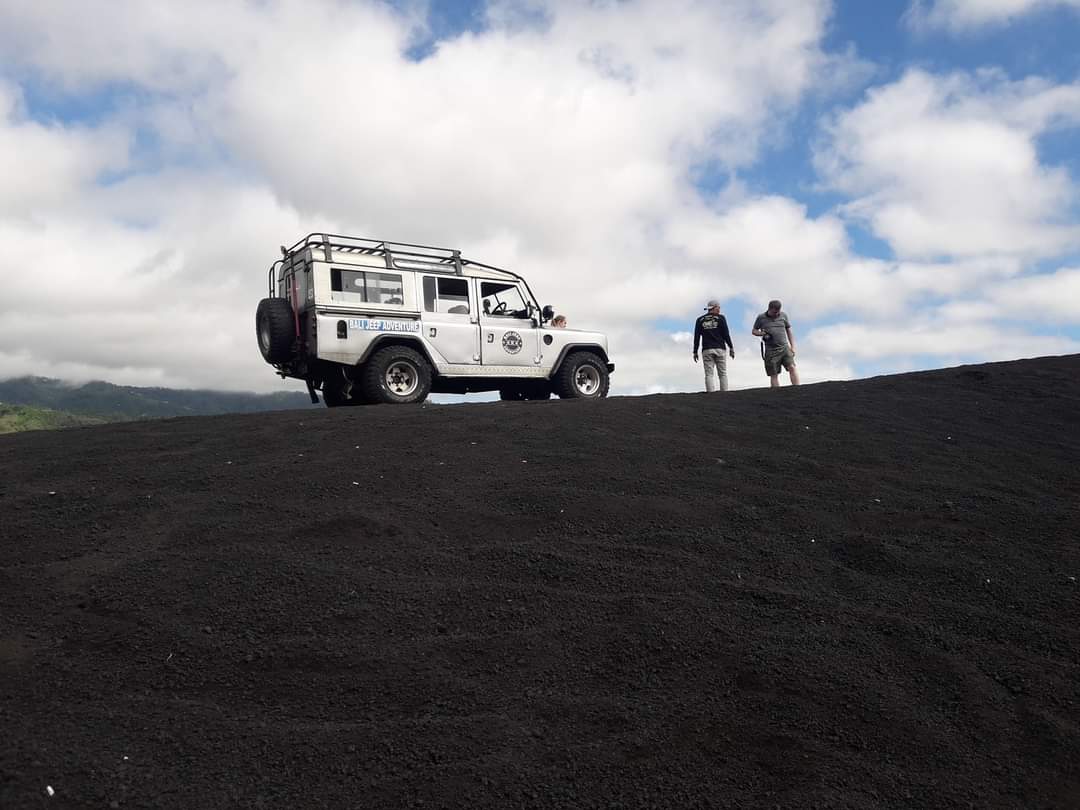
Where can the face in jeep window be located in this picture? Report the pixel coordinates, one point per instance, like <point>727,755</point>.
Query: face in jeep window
<point>502,300</point>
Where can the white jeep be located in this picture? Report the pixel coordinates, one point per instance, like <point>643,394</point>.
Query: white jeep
<point>366,321</point>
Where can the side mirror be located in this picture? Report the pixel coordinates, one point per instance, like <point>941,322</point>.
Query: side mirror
<point>548,312</point>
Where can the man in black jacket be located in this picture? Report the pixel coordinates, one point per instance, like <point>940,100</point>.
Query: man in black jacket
<point>711,331</point>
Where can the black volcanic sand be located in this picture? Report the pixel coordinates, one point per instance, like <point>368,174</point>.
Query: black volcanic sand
<point>848,595</point>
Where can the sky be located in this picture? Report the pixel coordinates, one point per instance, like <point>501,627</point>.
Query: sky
<point>903,174</point>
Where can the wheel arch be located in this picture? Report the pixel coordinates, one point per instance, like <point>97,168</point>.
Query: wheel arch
<point>569,348</point>
<point>383,341</point>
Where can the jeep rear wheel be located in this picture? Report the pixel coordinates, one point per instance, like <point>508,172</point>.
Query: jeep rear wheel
<point>396,375</point>
<point>582,375</point>
<point>275,328</point>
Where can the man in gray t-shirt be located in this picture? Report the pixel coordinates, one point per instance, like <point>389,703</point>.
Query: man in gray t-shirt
<point>774,328</point>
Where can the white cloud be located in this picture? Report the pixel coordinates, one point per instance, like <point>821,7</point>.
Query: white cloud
<point>42,166</point>
<point>1050,299</point>
<point>965,15</point>
<point>86,296</point>
<point>562,136</point>
<point>948,166</point>
<point>962,342</point>
<point>1045,300</point>
<point>762,248</point>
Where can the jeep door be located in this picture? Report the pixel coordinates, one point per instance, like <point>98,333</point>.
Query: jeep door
<point>451,325</point>
<point>508,334</point>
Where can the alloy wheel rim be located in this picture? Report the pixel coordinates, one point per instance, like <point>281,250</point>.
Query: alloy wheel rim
<point>402,378</point>
<point>587,380</point>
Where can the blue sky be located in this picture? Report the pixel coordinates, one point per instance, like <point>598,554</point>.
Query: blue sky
<point>905,176</point>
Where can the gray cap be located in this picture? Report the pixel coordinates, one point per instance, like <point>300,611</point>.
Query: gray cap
<point>712,303</point>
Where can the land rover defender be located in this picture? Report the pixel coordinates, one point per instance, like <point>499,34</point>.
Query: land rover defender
<point>367,321</point>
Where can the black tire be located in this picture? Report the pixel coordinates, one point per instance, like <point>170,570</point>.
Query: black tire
<point>396,375</point>
<point>582,375</point>
<point>275,329</point>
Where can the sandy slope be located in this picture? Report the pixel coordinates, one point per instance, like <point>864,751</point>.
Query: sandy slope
<point>847,595</point>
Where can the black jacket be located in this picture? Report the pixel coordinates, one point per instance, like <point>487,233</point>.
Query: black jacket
<point>712,332</point>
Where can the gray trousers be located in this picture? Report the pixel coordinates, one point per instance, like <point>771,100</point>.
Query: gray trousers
<point>714,358</point>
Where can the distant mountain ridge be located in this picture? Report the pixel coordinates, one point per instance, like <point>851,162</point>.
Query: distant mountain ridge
<point>119,402</point>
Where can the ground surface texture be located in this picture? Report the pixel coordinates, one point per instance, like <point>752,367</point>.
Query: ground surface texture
<point>849,595</point>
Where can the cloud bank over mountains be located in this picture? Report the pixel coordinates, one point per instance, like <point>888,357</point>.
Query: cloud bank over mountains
<point>617,154</point>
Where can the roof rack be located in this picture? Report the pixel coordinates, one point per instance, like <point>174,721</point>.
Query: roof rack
<point>397,255</point>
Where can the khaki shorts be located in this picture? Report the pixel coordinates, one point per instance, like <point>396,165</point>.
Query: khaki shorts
<point>782,356</point>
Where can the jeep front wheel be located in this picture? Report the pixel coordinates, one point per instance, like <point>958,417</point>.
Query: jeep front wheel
<point>582,375</point>
<point>397,375</point>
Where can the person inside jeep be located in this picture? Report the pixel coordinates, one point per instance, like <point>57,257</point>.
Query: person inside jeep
<point>503,300</point>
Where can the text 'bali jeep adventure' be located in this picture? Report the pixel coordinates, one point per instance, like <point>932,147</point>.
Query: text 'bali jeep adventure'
<point>366,321</point>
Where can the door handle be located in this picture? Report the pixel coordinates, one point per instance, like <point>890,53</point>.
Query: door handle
<point>432,332</point>
<point>491,337</point>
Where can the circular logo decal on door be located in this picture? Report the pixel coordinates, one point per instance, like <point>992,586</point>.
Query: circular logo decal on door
<point>512,342</point>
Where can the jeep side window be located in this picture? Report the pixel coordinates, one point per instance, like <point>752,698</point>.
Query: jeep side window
<point>448,295</point>
<point>502,300</point>
<point>366,287</point>
<point>347,281</point>
<point>384,288</point>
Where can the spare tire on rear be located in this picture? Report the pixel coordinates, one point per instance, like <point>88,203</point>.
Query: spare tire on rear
<point>275,327</point>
